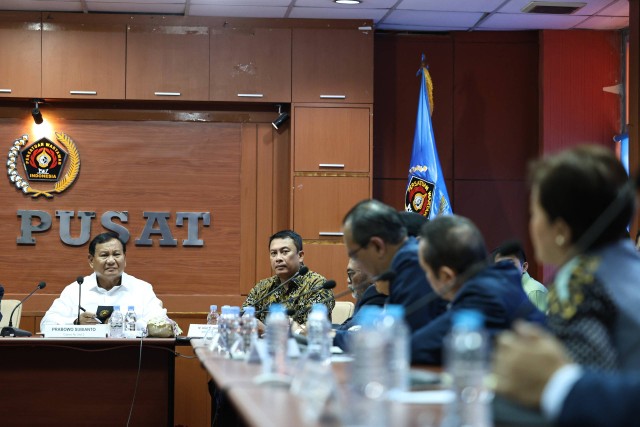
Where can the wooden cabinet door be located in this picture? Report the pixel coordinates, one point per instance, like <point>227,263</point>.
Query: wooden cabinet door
<point>330,260</point>
<point>83,60</point>
<point>332,66</point>
<point>20,49</point>
<point>250,65</point>
<point>167,62</point>
<point>332,139</point>
<point>321,202</point>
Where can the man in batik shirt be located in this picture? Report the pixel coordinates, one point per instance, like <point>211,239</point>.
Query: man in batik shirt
<point>300,293</point>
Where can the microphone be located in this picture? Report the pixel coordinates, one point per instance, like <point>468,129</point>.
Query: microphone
<point>303,270</point>
<point>10,331</point>
<point>80,280</point>
<point>327,284</point>
<point>387,276</point>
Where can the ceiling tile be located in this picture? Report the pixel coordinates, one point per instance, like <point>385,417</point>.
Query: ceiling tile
<point>604,23</point>
<point>592,6</point>
<point>532,21</point>
<point>269,3</point>
<point>451,5</point>
<point>368,4</point>
<point>619,8</point>
<point>443,19</point>
<point>333,13</point>
<point>166,8</point>
<point>238,11</point>
<point>120,4</point>
<point>50,6</point>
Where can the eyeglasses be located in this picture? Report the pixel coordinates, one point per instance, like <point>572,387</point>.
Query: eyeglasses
<point>352,253</point>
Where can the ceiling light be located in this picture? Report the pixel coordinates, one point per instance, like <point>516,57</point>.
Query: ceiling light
<point>347,1</point>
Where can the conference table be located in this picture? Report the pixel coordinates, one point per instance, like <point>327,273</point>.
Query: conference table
<point>267,405</point>
<point>80,382</point>
<point>272,405</point>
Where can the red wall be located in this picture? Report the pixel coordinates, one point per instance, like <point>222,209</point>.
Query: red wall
<point>501,98</point>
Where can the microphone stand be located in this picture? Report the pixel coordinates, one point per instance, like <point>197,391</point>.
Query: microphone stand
<point>80,281</point>
<point>10,331</point>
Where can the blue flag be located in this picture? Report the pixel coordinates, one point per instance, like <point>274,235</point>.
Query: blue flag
<point>426,191</point>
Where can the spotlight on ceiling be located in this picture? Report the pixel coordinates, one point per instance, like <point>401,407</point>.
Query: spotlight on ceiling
<point>36,114</point>
<point>347,1</point>
<point>283,116</point>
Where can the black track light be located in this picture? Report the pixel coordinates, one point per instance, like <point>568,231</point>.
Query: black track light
<point>36,114</point>
<point>283,116</point>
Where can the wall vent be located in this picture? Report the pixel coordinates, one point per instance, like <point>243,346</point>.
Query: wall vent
<point>553,7</point>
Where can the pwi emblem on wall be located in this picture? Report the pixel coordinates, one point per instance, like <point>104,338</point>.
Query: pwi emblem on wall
<point>44,160</point>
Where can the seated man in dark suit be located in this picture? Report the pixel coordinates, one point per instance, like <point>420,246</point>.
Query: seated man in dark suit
<point>365,293</point>
<point>376,237</point>
<point>454,258</point>
<point>533,368</point>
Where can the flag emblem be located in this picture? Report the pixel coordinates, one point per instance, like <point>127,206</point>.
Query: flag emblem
<point>419,196</point>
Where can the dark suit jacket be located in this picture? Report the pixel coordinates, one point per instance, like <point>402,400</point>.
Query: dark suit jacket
<point>603,400</point>
<point>370,297</point>
<point>410,285</point>
<point>1,295</point>
<point>495,291</point>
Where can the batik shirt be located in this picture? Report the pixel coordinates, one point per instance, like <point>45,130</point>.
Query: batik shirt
<point>291,297</point>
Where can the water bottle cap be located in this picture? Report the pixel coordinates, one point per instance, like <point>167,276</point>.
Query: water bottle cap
<point>395,310</point>
<point>468,319</point>
<point>116,308</point>
<point>321,308</point>
<point>226,309</point>
<point>276,308</point>
<point>235,310</point>
<point>368,315</point>
<point>213,307</point>
<point>131,308</point>
<point>250,310</point>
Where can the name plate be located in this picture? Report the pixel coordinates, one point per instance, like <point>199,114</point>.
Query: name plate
<point>199,331</point>
<point>75,331</point>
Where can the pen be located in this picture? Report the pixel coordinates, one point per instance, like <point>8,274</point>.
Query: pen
<point>94,318</point>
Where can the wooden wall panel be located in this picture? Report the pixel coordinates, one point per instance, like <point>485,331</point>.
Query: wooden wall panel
<point>136,166</point>
<point>330,260</point>
<point>397,60</point>
<point>500,209</point>
<point>575,66</point>
<point>496,105</point>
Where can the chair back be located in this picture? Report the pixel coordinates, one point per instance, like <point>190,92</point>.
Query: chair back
<point>6,307</point>
<point>342,311</point>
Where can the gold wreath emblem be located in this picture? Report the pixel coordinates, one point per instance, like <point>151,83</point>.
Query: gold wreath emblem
<point>61,185</point>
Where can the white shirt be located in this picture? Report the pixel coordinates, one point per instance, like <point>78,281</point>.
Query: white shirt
<point>131,291</point>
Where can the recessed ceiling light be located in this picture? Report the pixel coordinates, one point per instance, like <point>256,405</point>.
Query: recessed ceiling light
<point>347,1</point>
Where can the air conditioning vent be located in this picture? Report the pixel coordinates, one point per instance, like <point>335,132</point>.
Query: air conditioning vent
<point>553,7</point>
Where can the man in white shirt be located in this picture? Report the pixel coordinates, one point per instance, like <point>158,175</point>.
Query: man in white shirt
<point>109,285</point>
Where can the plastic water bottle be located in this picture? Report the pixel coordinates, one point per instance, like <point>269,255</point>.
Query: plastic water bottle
<point>115,323</point>
<point>224,345</point>
<point>369,376</point>
<point>235,339</point>
<point>248,329</point>
<point>396,332</point>
<point>277,336</point>
<point>466,360</point>
<point>212,317</point>
<point>318,334</point>
<point>130,320</point>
